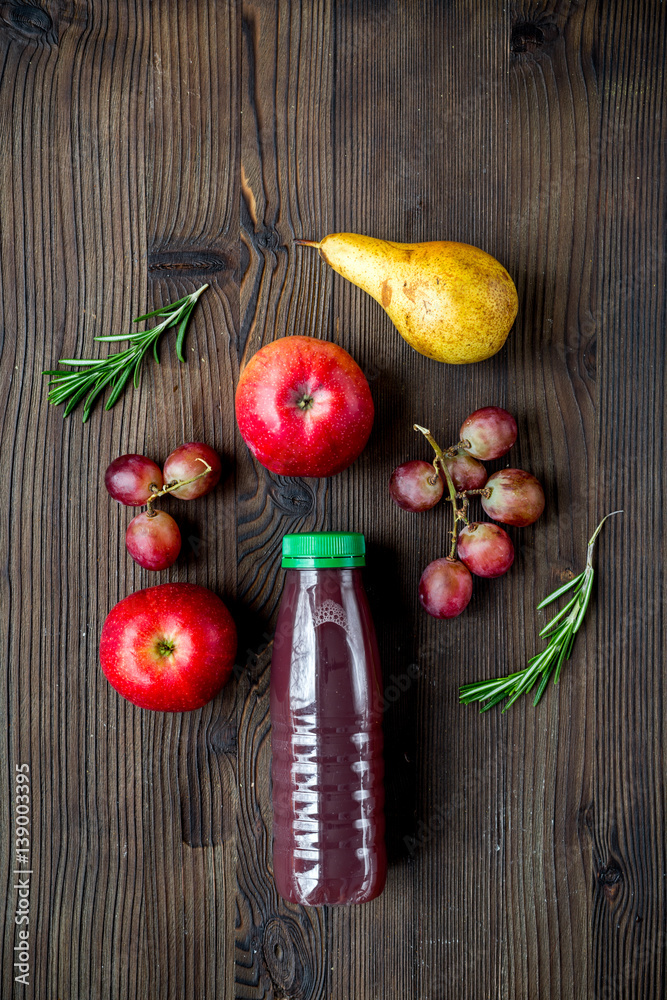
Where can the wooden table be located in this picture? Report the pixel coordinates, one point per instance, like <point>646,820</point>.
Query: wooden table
<point>150,147</point>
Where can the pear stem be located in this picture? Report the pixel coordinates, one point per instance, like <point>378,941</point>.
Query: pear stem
<point>308,243</point>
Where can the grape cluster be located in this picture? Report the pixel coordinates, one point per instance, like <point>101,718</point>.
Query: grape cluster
<point>510,496</point>
<point>153,538</point>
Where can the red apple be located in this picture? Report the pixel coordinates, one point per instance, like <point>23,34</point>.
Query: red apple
<point>170,648</point>
<point>303,407</point>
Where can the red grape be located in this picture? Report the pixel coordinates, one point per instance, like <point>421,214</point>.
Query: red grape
<point>445,588</point>
<point>129,479</point>
<point>485,549</point>
<point>416,486</point>
<point>153,541</point>
<point>466,472</point>
<point>490,431</point>
<point>516,497</point>
<point>182,464</point>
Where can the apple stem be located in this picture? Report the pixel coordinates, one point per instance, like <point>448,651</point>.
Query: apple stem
<point>176,484</point>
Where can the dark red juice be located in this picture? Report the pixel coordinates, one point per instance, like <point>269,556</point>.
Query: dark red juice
<point>327,771</point>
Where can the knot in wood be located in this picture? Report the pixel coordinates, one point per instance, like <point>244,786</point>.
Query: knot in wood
<point>293,497</point>
<point>268,239</point>
<point>279,954</point>
<point>590,357</point>
<point>610,874</point>
<point>532,35</point>
<point>223,739</point>
<point>29,19</point>
<point>186,262</point>
<point>610,877</point>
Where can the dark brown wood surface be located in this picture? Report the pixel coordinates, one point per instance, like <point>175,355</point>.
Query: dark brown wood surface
<point>148,147</point>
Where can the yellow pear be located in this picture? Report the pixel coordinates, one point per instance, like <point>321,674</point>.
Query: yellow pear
<point>450,301</point>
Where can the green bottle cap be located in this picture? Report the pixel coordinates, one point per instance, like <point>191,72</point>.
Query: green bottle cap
<point>322,549</point>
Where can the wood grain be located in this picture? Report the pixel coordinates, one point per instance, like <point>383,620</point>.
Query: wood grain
<point>150,147</point>
<point>556,123</point>
<point>132,819</point>
<point>625,819</point>
<point>189,762</point>
<point>68,209</point>
<point>286,192</point>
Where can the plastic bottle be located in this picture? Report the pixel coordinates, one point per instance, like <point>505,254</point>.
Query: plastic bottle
<point>326,718</point>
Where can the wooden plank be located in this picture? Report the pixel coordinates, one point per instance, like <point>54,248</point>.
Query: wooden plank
<point>554,125</point>
<point>287,190</point>
<point>189,761</point>
<point>72,266</point>
<point>422,99</point>
<point>623,826</point>
<point>111,914</point>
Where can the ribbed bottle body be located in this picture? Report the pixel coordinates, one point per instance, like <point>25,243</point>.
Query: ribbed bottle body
<point>327,766</point>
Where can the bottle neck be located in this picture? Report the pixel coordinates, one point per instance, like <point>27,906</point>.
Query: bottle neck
<point>306,577</point>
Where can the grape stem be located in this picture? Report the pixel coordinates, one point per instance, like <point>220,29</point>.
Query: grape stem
<point>175,485</point>
<point>440,460</point>
<point>484,492</point>
<point>463,445</point>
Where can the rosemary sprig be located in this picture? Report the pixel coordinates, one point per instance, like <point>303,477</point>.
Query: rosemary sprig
<point>561,631</point>
<point>115,370</point>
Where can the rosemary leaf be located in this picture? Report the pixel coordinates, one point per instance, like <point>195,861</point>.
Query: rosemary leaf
<point>180,337</point>
<point>112,339</point>
<point>137,369</point>
<point>554,621</point>
<point>77,397</point>
<point>96,389</point>
<point>561,590</point>
<point>118,388</point>
<point>587,591</point>
<point>76,361</point>
<point>168,309</point>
